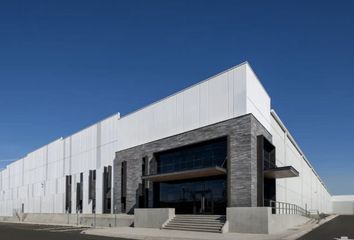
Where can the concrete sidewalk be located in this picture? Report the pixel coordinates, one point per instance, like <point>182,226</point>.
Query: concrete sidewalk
<point>159,234</point>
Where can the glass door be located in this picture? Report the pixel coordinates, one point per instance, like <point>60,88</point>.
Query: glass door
<point>195,196</point>
<point>203,202</point>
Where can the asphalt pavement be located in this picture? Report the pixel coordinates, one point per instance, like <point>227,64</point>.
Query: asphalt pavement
<point>338,228</point>
<point>15,231</point>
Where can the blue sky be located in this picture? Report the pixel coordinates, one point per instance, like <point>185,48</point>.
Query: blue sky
<point>67,64</point>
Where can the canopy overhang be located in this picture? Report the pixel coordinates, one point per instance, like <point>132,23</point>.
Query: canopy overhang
<point>188,174</point>
<point>281,172</point>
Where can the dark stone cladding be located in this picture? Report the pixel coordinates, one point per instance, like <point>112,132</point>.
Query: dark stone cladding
<point>242,135</point>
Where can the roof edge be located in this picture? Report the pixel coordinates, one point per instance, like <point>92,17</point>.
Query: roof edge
<point>185,89</point>
<point>279,121</point>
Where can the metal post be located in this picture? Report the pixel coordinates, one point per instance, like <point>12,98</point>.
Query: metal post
<point>282,208</point>
<point>77,216</point>
<point>67,213</point>
<point>115,216</point>
<point>94,220</point>
<point>286,208</point>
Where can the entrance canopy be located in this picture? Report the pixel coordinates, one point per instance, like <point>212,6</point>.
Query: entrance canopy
<point>187,174</point>
<point>281,172</point>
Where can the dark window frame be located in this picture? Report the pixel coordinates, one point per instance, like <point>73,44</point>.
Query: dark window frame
<point>92,189</point>
<point>124,186</point>
<point>207,153</point>
<point>68,189</point>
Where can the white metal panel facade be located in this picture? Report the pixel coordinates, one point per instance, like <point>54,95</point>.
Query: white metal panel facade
<point>258,100</point>
<point>38,180</point>
<point>306,190</point>
<point>343,204</point>
<point>217,99</point>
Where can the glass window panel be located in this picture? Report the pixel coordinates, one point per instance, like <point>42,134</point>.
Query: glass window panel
<point>186,196</point>
<point>206,154</point>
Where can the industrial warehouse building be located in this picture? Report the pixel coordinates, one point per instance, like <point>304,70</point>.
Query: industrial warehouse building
<point>214,145</point>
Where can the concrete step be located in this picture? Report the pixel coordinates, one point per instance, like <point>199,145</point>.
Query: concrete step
<point>198,220</point>
<point>193,229</point>
<point>201,216</point>
<point>201,219</point>
<point>200,223</point>
<point>196,226</point>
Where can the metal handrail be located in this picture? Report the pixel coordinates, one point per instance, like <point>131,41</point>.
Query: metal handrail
<point>287,208</point>
<point>315,214</point>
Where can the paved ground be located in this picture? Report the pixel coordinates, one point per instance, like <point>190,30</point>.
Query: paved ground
<point>163,234</point>
<point>335,229</point>
<point>14,231</point>
<point>157,234</point>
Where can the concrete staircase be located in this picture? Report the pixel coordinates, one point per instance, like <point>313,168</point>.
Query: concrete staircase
<point>199,223</point>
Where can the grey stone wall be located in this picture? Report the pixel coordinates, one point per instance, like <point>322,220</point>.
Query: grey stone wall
<point>241,168</point>
<point>257,129</point>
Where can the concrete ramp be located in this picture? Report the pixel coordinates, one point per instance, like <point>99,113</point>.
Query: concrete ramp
<point>260,220</point>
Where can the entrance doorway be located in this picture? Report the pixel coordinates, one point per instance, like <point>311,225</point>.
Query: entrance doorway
<point>193,196</point>
<point>203,203</point>
<point>192,179</point>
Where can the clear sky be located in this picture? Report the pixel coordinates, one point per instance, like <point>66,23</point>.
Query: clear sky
<point>66,64</point>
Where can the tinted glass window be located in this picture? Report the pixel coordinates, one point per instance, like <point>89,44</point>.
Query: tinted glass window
<point>198,196</point>
<point>206,154</point>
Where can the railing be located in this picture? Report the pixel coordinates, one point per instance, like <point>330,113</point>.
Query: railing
<point>315,214</point>
<point>287,208</point>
